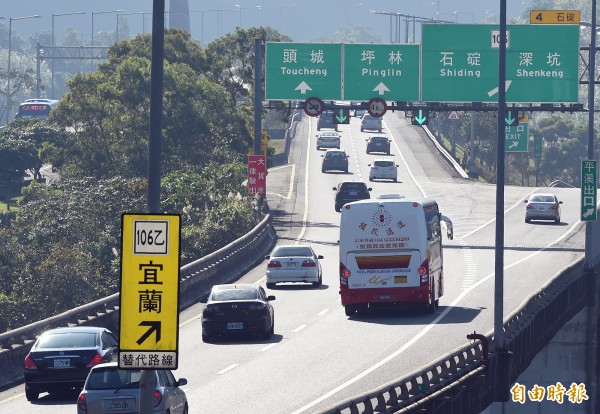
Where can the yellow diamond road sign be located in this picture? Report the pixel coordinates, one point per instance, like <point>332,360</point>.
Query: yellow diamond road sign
<point>149,296</point>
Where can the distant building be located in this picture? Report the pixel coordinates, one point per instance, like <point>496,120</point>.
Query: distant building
<point>179,15</point>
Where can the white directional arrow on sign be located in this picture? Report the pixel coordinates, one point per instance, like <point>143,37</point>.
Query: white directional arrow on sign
<point>381,88</point>
<point>588,212</point>
<point>514,144</point>
<point>303,87</point>
<point>495,90</point>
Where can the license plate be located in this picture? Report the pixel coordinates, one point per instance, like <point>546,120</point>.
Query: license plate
<point>385,297</point>
<point>400,279</point>
<point>235,325</point>
<point>114,405</point>
<point>542,208</point>
<point>62,363</point>
<point>291,264</point>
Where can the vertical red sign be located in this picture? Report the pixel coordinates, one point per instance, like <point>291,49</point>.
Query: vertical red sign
<point>257,175</point>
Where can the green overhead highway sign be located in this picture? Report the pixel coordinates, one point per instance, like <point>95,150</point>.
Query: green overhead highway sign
<point>352,72</point>
<point>516,138</point>
<point>589,190</point>
<point>460,63</point>
<point>387,71</point>
<point>302,70</point>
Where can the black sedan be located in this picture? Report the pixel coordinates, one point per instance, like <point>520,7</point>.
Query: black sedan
<point>61,358</point>
<point>237,308</point>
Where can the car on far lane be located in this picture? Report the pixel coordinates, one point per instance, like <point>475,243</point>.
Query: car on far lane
<point>378,143</point>
<point>294,263</point>
<point>334,160</point>
<point>348,191</point>
<point>110,389</point>
<point>383,169</point>
<point>61,358</point>
<point>542,207</point>
<point>371,123</point>
<point>328,139</point>
<point>325,120</point>
<point>237,308</point>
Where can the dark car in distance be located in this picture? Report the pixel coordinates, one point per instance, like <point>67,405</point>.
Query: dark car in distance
<point>378,143</point>
<point>62,358</point>
<point>348,191</point>
<point>237,309</point>
<point>335,160</point>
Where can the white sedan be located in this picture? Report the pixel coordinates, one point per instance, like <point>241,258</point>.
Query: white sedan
<point>294,263</point>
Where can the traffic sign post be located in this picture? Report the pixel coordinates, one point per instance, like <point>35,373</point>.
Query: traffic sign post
<point>149,294</point>
<point>376,107</point>
<point>589,190</point>
<point>460,63</point>
<point>302,70</point>
<point>516,138</point>
<point>257,175</point>
<point>313,106</point>
<point>388,71</point>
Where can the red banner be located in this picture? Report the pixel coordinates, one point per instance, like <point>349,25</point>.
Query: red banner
<point>257,175</point>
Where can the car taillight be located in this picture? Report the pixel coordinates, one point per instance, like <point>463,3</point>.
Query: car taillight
<point>97,359</point>
<point>554,207</point>
<point>208,310</point>
<point>157,398</point>
<point>273,263</point>
<point>29,363</point>
<point>344,274</point>
<point>529,207</point>
<point>308,263</point>
<point>258,307</point>
<point>81,402</point>
<point>424,272</point>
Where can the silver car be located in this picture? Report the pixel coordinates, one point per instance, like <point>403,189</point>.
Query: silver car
<point>371,123</point>
<point>542,207</point>
<point>294,263</point>
<point>109,389</point>
<point>328,139</point>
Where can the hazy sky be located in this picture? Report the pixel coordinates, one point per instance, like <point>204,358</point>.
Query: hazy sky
<point>303,20</point>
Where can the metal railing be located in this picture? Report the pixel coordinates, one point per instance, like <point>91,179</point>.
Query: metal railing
<point>224,265</point>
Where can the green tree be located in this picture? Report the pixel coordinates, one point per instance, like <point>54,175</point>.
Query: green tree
<point>16,156</point>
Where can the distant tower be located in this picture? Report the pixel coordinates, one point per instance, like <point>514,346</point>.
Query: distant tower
<point>179,15</point>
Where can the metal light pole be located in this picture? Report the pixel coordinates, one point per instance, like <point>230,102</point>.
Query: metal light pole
<point>10,20</point>
<point>240,8</point>
<point>102,12</point>
<point>131,14</point>
<point>54,44</point>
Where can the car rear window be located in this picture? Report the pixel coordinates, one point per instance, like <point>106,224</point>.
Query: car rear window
<point>68,340</point>
<point>383,163</point>
<point>235,294</point>
<point>379,139</point>
<point>353,187</point>
<point>542,199</point>
<point>107,379</point>
<point>336,155</point>
<point>291,251</point>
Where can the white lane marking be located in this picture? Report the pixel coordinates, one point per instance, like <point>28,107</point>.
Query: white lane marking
<point>291,189</point>
<point>182,324</point>
<point>298,329</point>
<point>471,266</point>
<point>268,347</point>
<point>229,368</point>
<point>404,160</point>
<point>425,330</point>
<point>305,216</point>
<point>14,397</point>
<point>323,312</point>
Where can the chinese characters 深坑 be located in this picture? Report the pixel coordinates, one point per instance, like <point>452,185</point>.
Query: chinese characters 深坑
<point>558,393</point>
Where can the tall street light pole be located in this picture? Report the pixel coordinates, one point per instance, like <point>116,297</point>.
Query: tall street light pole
<point>10,20</point>
<point>131,14</point>
<point>93,14</point>
<point>54,44</point>
<point>240,8</point>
